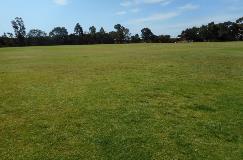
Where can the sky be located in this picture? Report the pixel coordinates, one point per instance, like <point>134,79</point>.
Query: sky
<point>161,16</point>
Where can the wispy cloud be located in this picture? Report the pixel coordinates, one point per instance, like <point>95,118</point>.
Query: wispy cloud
<point>120,13</point>
<point>126,3</point>
<point>129,3</point>
<point>164,16</point>
<point>165,3</point>
<point>154,1</point>
<point>61,2</point>
<point>155,17</point>
<point>135,10</point>
<point>189,6</point>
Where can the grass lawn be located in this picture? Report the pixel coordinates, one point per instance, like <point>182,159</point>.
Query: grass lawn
<point>130,102</point>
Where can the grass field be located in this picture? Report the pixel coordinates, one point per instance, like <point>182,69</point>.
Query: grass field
<point>144,101</point>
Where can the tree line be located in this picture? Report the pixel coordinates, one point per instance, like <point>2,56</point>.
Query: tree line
<point>227,31</point>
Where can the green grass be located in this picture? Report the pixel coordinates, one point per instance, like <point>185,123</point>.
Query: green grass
<point>144,101</point>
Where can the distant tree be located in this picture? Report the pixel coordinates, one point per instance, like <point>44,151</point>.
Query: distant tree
<point>101,36</point>
<point>147,35</point>
<point>113,36</point>
<point>8,40</point>
<point>9,35</point>
<point>102,30</point>
<point>78,30</point>
<point>164,39</point>
<point>239,23</point>
<point>92,30</point>
<point>227,31</point>
<point>191,34</point>
<point>19,30</point>
<point>37,37</point>
<point>59,32</point>
<point>122,34</point>
<point>204,33</point>
<point>91,37</point>
<point>36,33</point>
<point>213,31</point>
<point>135,39</point>
<point>59,35</point>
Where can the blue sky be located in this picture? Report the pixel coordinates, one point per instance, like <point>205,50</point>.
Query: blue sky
<point>162,16</point>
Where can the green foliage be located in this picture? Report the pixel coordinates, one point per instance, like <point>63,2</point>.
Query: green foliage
<point>122,34</point>
<point>141,101</point>
<point>92,30</point>
<point>19,30</point>
<point>59,33</point>
<point>36,33</point>
<point>240,28</point>
<point>147,35</point>
<point>135,38</point>
<point>102,31</point>
<point>78,30</point>
<point>227,31</point>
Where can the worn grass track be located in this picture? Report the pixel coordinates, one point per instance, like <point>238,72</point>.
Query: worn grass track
<point>145,101</point>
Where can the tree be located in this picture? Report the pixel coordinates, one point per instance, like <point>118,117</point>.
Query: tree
<point>78,30</point>
<point>122,34</point>
<point>36,33</point>
<point>191,34</point>
<point>164,39</point>
<point>102,30</point>
<point>135,39</point>
<point>37,37</point>
<point>8,40</point>
<point>227,31</point>
<point>92,30</point>
<point>59,35</point>
<point>19,29</point>
<point>59,32</point>
<point>239,23</point>
<point>213,31</point>
<point>147,35</point>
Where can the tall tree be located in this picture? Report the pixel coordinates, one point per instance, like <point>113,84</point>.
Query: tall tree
<point>122,33</point>
<point>19,29</point>
<point>135,38</point>
<point>59,35</point>
<point>36,33</point>
<point>191,34</point>
<point>92,30</point>
<point>78,30</point>
<point>102,30</point>
<point>37,37</point>
<point>164,39</point>
<point>59,32</point>
<point>147,35</point>
<point>239,23</point>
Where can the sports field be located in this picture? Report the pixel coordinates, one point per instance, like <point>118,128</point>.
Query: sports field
<point>129,102</point>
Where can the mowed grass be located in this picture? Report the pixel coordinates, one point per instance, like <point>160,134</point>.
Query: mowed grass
<point>144,101</point>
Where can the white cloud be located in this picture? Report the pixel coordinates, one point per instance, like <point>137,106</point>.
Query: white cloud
<point>126,3</point>
<point>155,17</point>
<point>189,6</point>
<point>154,1</point>
<point>120,13</point>
<point>165,3</point>
<point>135,10</point>
<point>129,3</point>
<point>61,2</point>
<point>164,16</point>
